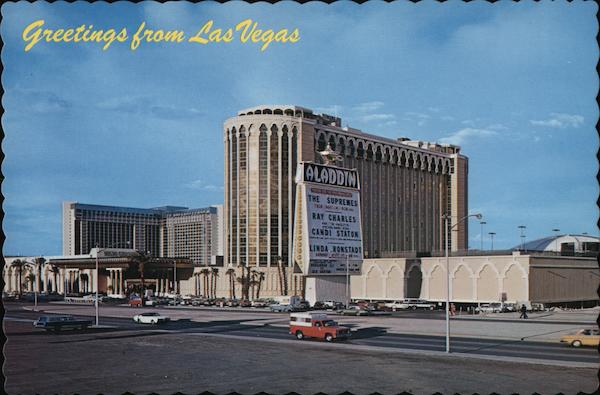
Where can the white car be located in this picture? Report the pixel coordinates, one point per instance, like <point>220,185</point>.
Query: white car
<point>150,318</point>
<point>489,308</point>
<point>396,305</point>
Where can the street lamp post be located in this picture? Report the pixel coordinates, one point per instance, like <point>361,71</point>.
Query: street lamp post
<point>522,228</point>
<point>174,279</point>
<point>448,230</point>
<point>347,283</point>
<point>482,223</point>
<point>492,234</point>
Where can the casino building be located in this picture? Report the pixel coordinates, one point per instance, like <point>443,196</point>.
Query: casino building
<point>406,186</point>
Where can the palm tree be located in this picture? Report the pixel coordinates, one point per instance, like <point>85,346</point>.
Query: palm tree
<point>205,273</point>
<point>84,282</point>
<point>283,283</point>
<point>142,259</point>
<point>261,277</point>
<point>19,264</point>
<point>215,275</point>
<point>280,273</point>
<point>39,262</point>
<point>231,273</point>
<point>245,282</point>
<point>31,279</point>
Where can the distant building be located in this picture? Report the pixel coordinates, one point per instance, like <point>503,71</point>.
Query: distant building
<point>406,186</point>
<point>194,233</point>
<point>564,244</point>
<point>168,231</point>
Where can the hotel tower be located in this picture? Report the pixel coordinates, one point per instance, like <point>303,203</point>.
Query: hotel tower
<point>406,186</point>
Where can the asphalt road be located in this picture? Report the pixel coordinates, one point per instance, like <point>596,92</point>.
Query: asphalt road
<point>370,337</point>
<point>223,357</point>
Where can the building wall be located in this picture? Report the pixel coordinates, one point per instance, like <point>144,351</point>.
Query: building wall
<point>553,281</point>
<point>476,279</point>
<point>387,279</point>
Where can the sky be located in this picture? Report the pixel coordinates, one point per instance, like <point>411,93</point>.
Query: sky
<point>514,84</point>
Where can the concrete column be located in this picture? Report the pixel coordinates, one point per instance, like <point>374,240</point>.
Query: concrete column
<point>44,280</point>
<point>268,197</point>
<point>279,183</point>
<point>290,197</point>
<point>120,276</point>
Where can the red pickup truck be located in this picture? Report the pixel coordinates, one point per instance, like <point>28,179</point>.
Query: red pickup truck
<point>316,325</point>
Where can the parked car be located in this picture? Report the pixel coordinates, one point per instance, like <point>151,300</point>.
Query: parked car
<point>397,305</point>
<point>281,307</point>
<point>135,302</point>
<point>259,303</point>
<point>316,325</point>
<point>245,303</point>
<point>301,306</point>
<point>509,307</point>
<point>537,307</point>
<point>419,304</point>
<point>232,303</point>
<point>57,323</point>
<point>489,308</point>
<point>150,318</point>
<point>319,305</point>
<point>356,310</point>
<point>583,337</point>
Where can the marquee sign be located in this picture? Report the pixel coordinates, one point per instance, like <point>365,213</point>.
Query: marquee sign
<point>327,233</point>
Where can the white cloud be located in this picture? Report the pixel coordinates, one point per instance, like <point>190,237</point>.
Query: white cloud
<point>146,105</point>
<point>377,117</point>
<point>333,109</point>
<point>369,106</point>
<point>461,136</point>
<point>419,115</point>
<point>201,186</point>
<point>560,121</point>
<point>496,126</point>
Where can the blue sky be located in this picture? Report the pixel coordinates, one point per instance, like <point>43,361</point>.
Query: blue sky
<point>513,84</point>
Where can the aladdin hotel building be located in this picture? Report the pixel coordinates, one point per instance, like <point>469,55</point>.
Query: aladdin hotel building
<point>406,186</point>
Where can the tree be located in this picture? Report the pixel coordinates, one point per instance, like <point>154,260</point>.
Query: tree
<point>39,262</point>
<point>85,279</point>
<point>231,273</point>
<point>283,284</point>
<point>141,259</point>
<point>31,280</point>
<point>20,264</point>
<point>244,280</point>
<point>205,272</point>
<point>261,277</point>
<point>214,275</point>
